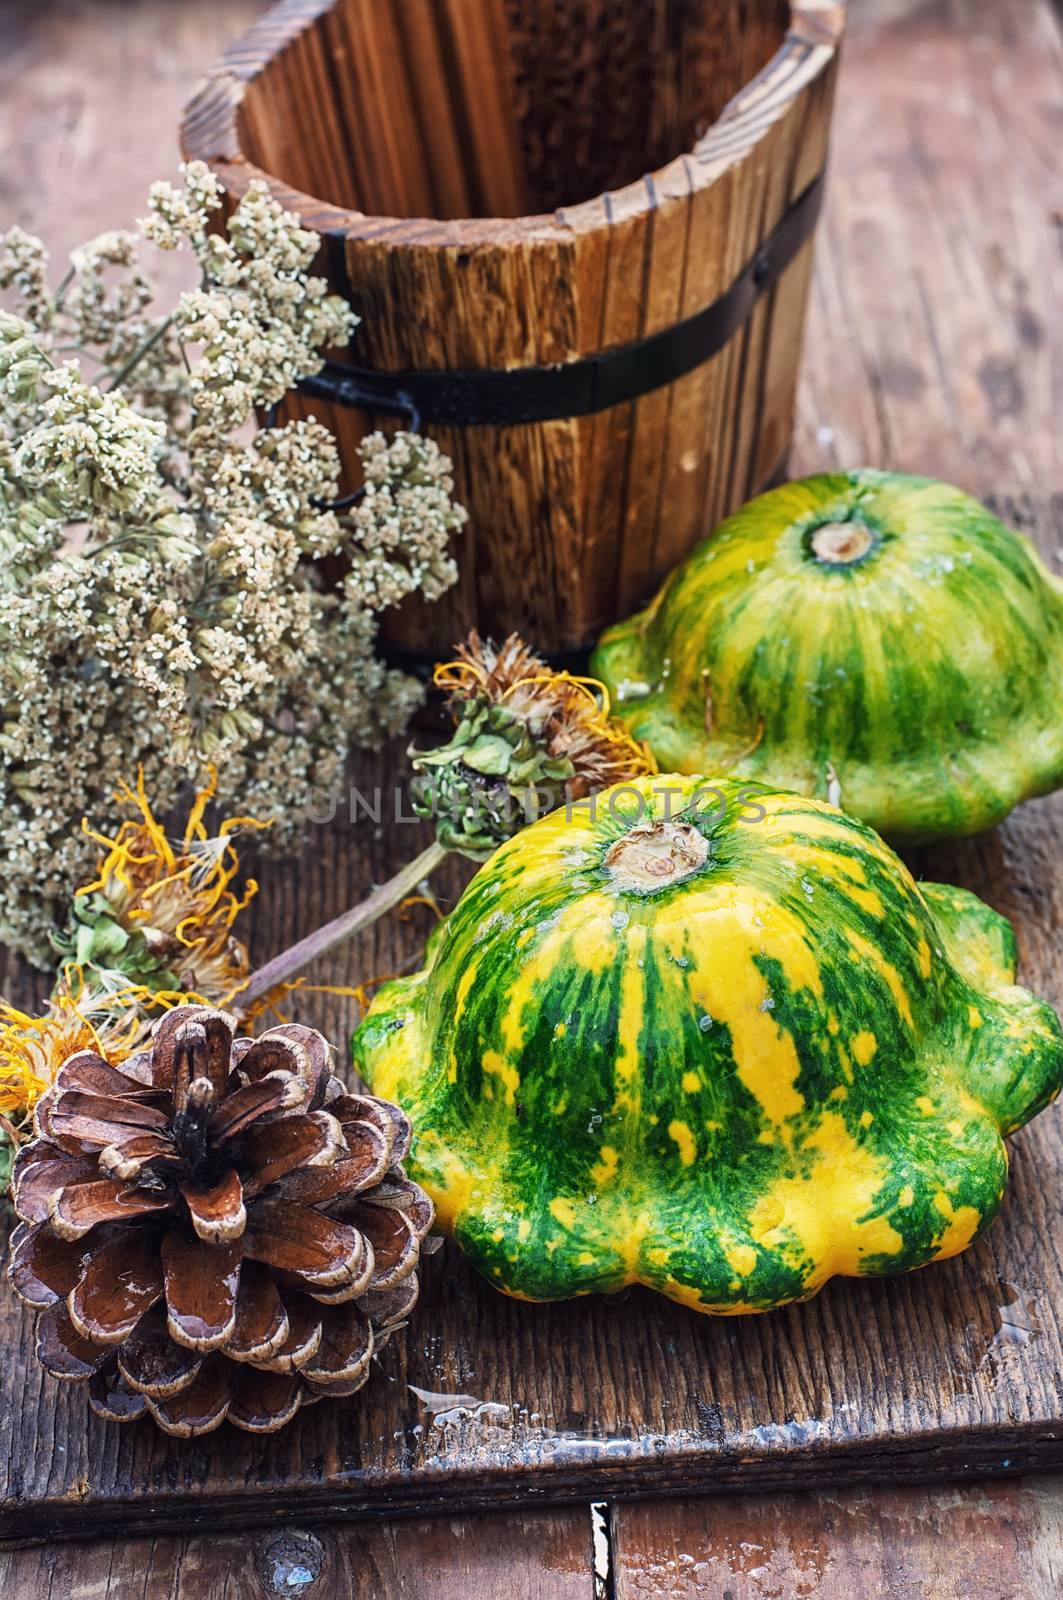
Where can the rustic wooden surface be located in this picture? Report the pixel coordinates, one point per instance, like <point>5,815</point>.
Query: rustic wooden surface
<point>933,345</point>
<point>545,1555</point>
<point>934,332</point>
<point>989,1541</point>
<point>90,97</point>
<point>993,1541</point>
<point>958,1369</point>
<point>596,509</point>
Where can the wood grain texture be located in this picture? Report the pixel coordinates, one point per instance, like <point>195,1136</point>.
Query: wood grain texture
<point>995,1541</point>
<point>934,329</point>
<point>958,1369</point>
<point>534,1555</point>
<point>506,183</point>
<point>90,98</point>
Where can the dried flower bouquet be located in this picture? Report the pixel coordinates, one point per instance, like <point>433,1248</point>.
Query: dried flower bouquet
<point>163,602</point>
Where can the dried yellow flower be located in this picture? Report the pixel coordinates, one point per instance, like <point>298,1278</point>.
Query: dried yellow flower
<point>153,929</point>
<point>32,1049</point>
<point>569,717</point>
<point>160,912</point>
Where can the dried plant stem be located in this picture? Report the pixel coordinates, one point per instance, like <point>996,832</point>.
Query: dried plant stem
<point>140,352</point>
<point>345,926</point>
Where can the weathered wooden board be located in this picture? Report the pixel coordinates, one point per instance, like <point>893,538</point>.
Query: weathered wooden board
<point>538,1555</point>
<point>935,330</point>
<point>958,1369</point>
<point>90,99</point>
<point>996,1541</point>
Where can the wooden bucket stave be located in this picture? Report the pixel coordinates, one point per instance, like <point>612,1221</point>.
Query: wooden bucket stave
<point>440,106</point>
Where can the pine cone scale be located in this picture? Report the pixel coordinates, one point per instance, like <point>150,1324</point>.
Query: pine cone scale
<point>152,1364</point>
<point>305,1331</point>
<point>245,1105</point>
<point>322,1253</point>
<point>128,1159</point>
<point>77,1208</point>
<point>88,1071</point>
<point>398,1193</point>
<point>315,1140</point>
<point>120,1284</point>
<point>61,1350</point>
<point>217,1229</point>
<point>75,1132</point>
<point>201,1285</point>
<point>100,1119</point>
<point>287,1049</point>
<point>112,1398</point>
<point>387,1307</point>
<point>261,1320</point>
<point>314,1186</point>
<point>218,1214</point>
<point>392,1123</point>
<point>264,1401</point>
<point>344,1354</point>
<point>196,1046</point>
<point>36,1176</point>
<point>201,1407</point>
<point>44,1268</point>
<point>393,1239</point>
<point>138,1067</point>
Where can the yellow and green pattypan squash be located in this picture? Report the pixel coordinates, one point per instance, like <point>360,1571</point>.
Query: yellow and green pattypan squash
<point>862,636</point>
<point>712,1040</point>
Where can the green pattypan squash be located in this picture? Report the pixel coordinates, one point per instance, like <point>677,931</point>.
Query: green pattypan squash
<point>866,637</point>
<point>714,1040</point>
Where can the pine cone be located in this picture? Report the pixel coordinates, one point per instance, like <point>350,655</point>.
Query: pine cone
<point>215,1229</point>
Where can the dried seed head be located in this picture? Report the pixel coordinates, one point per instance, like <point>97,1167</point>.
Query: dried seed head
<point>527,738</point>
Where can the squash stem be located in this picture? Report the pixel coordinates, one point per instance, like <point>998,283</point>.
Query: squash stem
<point>345,926</point>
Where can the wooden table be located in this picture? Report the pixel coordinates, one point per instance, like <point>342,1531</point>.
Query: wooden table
<point>935,344</point>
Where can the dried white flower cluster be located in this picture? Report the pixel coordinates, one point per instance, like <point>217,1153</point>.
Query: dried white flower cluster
<point>164,601</point>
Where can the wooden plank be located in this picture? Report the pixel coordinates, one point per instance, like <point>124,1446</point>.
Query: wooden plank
<point>958,1369</point>
<point>994,1541</point>
<point>528,1556</point>
<point>933,337</point>
<point>955,1370</point>
<point>90,100</point>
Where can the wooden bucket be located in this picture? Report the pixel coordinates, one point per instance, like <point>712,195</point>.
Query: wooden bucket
<point>579,231</point>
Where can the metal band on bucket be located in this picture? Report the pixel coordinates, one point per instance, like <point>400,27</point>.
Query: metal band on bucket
<point>504,397</point>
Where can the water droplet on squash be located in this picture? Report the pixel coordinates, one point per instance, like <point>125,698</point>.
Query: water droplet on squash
<point>632,689</point>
